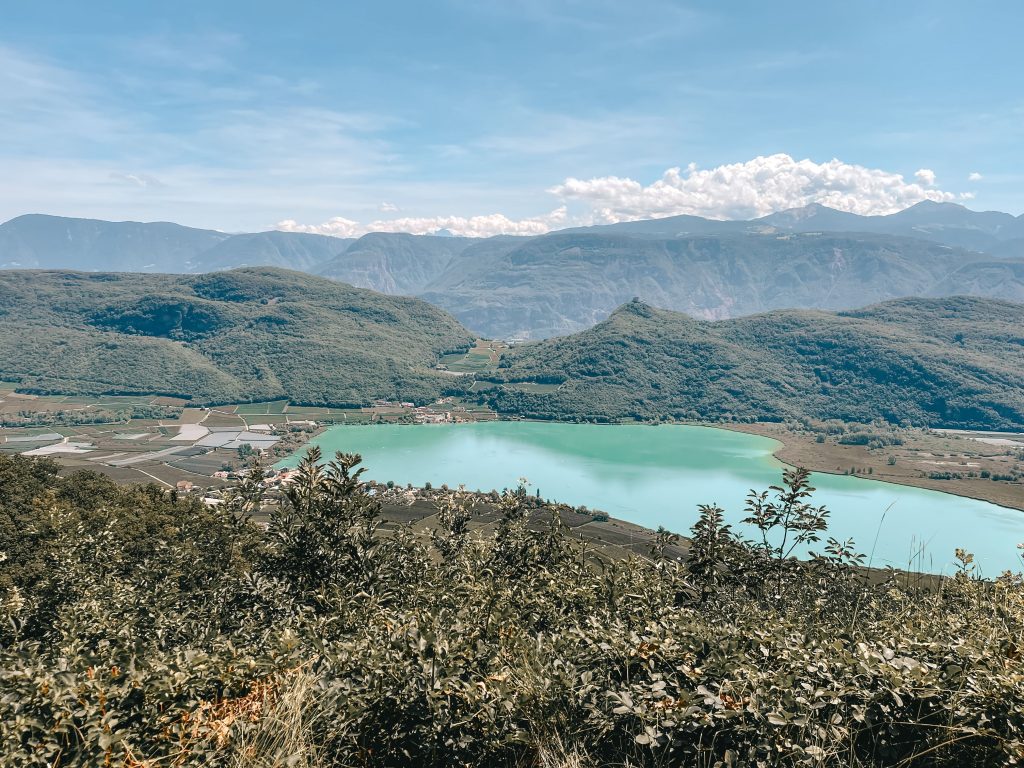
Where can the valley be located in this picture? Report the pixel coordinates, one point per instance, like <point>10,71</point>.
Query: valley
<point>179,379</point>
<point>511,385</point>
<point>203,449</point>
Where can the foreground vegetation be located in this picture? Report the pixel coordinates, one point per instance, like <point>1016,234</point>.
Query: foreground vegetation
<point>145,629</point>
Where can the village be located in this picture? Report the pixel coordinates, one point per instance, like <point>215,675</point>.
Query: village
<point>190,449</point>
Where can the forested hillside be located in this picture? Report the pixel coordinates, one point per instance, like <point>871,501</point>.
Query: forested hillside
<point>563,282</point>
<point>955,362</point>
<point>248,334</point>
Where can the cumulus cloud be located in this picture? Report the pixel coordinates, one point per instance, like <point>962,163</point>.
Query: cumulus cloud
<point>387,207</point>
<point>744,190</point>
<point>473,226</point>
<point>926,176</point>
<point>974,176</point>
<point>751,189</point>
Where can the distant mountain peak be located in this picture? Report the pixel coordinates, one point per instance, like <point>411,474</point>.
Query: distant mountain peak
<point>804,212</point>
<point>933,205</point>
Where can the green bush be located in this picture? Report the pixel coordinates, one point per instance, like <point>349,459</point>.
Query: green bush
<point>140,629</point>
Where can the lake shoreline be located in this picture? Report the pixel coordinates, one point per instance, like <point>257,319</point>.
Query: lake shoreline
<point>794,450</point>
<point>661,477</point>
<point>799,450</point>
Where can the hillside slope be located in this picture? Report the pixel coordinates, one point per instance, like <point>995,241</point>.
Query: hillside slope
<point>287,250</point>
<point>956,362</point>
<point>247,334</point>
<point>564,282</point>
<point>394,263</point>
<point>36,241</point>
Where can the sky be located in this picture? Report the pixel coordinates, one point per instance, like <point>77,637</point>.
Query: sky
<point>513,116</point>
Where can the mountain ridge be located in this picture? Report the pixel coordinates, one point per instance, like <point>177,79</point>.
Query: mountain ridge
<point>955,361</point>
<point>567,280</point>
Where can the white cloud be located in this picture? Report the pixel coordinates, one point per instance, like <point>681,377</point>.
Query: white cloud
<point>974,176</point>
<point>473,226</point>
<point>748,190</point>
<point>137,179</point>
<point>736,191</point>
<point>336,227</point>
<point>387,207</point>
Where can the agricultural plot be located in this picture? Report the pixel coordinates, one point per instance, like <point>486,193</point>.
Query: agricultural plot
<point>192,443</point>
<point>262,409</point>
<point>222,418</point>
<point>34,437</point>
<point>235,440</point>
<point>353,417</point>
<point>537,389</point>
<point>191,432</point>
<point>58,448</point>
<point>481,358</point>
<point>267,419</point>
<point>203,465</point>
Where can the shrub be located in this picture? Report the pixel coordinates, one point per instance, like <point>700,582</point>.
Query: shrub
<point>144,630</point>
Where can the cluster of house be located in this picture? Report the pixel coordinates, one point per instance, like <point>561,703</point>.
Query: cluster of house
<point>273,480</point>
<point>441,412</point>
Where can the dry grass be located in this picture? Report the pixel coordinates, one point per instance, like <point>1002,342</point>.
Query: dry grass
<point>277,720</point>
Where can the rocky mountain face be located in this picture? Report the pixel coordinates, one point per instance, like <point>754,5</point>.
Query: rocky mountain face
<point>394,263</point>
<point>564,282</point>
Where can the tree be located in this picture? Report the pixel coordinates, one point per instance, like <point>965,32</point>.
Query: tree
<point>323,534</point>
<point>709,538</point>
<point>785,521</point>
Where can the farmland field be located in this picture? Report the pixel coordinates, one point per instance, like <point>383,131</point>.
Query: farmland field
<point>482,357</point>
<point>262,409</point>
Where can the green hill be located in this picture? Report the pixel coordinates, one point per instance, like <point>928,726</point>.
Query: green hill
<point>248,334</point>
<point>956,362</point>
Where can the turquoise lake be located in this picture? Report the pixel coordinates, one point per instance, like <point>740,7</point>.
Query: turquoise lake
<point>658,475</point>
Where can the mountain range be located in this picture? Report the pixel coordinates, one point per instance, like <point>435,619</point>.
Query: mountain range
<point>945,223</point>
<point>261,333</point>
<point>566,281</point>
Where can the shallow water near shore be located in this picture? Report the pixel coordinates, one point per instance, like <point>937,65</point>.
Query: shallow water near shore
<point>658,475</point>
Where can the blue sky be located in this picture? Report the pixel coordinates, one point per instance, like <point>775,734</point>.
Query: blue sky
<point>340,117</point>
